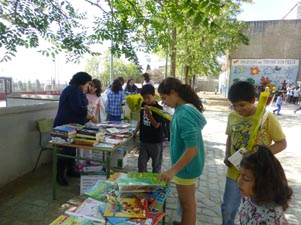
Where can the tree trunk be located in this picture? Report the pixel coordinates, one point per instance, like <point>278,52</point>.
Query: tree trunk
<point>173,53</point>
<point>193,82</point>
<point>186,70</point>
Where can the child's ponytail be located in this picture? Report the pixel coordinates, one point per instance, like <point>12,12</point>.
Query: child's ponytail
<point>189,95</point>
<point>184,91</point>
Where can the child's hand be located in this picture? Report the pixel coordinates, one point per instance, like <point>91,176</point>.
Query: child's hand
<point>227,162</point>
<point>167,176</point>
<point>134,135</point>
<point>147,111</point>
<point>94,120</point>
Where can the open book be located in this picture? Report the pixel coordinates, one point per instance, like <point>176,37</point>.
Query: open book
<point>89,209</point>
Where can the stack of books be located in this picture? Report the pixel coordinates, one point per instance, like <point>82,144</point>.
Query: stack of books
<point>107,205</point>
<point>143,206</point>
<point>63,133</point>
<point>88,137</point>
<point>109,142</point>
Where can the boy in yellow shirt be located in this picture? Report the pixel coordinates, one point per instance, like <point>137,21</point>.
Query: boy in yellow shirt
<point>242,96</point>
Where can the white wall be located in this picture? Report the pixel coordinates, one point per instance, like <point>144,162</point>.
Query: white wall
<point>29,99</point>
<point>19,139</point>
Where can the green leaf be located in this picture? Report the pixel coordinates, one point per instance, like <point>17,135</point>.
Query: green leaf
<point>197,20</point>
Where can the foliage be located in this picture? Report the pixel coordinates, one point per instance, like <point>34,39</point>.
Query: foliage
<point>24,23</point>
<point>29,86</point>
<point>200,47</point>
<point>93,65</point>
<point>38,85</point>
<point>20,86</point>
<point>137,25</point>
<point>99,67</point>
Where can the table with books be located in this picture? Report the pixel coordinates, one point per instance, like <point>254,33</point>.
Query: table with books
<point>123,199</point>
<point>102,139</point>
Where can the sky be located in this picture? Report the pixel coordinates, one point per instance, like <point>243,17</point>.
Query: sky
<point>30,65</point>
<point>268,10</point>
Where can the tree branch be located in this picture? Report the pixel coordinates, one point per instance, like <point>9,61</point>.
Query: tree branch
<point>97,5</point>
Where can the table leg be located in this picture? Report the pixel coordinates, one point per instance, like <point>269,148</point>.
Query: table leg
<point>54,171</point>
<point>164,210</point>
<point>108,164</point>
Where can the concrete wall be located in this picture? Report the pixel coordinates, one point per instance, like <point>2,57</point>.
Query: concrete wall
<point>276,39</point>
<point>29,99</point>
<point>19,139</point>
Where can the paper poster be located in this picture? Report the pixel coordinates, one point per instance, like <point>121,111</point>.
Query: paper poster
<point>273,71</point>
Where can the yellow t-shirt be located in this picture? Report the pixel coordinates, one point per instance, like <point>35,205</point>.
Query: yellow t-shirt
<point>238,128</point>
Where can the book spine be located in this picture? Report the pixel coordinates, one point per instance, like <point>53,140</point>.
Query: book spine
<point>85,136</point>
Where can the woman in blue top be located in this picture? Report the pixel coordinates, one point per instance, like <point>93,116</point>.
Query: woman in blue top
<point>72,109</point>
<point>186,143</point>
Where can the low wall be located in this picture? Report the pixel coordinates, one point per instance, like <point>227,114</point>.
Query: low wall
<point>19,139</point>
<point>29,99</point>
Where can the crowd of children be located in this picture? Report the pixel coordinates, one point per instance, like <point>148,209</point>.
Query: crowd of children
<point>249,197</point>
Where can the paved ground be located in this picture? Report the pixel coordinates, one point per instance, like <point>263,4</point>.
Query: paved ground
<point>27,201</point>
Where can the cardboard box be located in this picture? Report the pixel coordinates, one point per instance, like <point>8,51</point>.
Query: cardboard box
<point>119,158</point>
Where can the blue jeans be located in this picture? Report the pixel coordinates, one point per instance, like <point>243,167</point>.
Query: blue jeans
<point>231,201</point>
<point>278,109</point>
<point>115,118</point>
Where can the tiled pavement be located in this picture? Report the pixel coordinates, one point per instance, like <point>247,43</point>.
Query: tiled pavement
<point>28,200</point>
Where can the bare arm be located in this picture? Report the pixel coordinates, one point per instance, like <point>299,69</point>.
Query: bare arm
<point>151,118</point>
<point>92,118</point>
<point>137,128</point>
<point>278,146</point>
<point>97,110</point>
<point>227,154</point>
<point>184,160</point>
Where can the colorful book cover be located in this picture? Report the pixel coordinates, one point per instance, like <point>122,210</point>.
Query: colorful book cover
<point>76,126</point>
<point>86,136</point>
<point>154,218</point>
<point>116,176</point>
<point>140,182</point>
<point>126,207</point>
<point>155,199</point>
<point>59,220</point>
<point>64,129</point>
<point>74,220</point>
<point>102,190</point>
<point>153,176</point>
<point>84,141</point>
<point>137,185</point>
<point>151,218</point>
<point>112,220</point>
<point>89,210</point>
<point>158,199</point>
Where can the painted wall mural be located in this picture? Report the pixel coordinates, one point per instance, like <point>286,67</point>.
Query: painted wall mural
<point>265,71</point>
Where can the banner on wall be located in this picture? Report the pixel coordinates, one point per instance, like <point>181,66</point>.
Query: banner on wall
<point>265,71</point>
